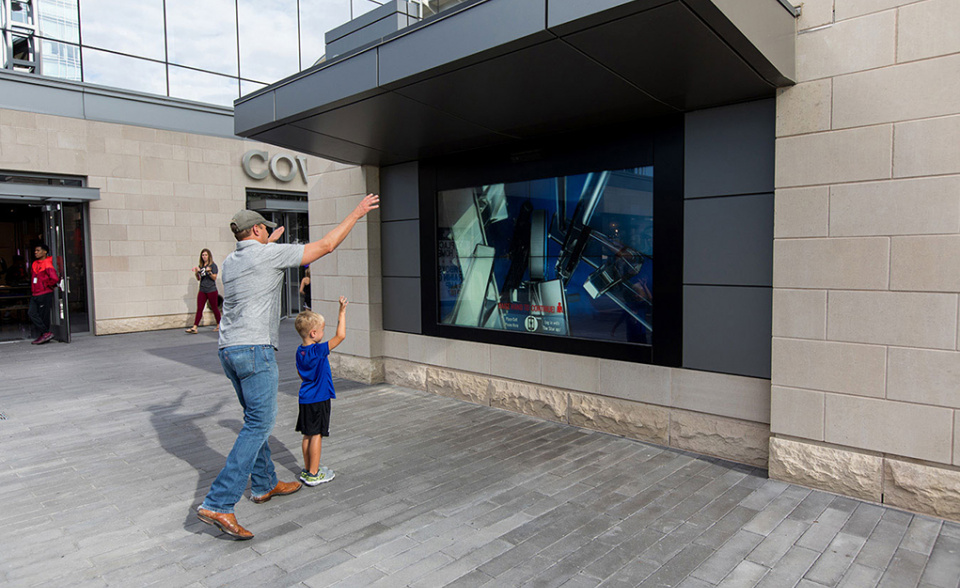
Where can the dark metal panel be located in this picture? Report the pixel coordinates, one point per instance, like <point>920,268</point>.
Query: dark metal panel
<point>400,248</point>
<point>481,31</point>
<point>543,87</point>
<point>727,329</point>
<point>255,112</point>
<point>400,186</point>
<point>566,16</point>
<point>366,19</point>
<point>341,82</point>
<point>728,240</point>
<point>400,128</point>
<point>669,53</point>
<point>375,31</point>
<point>730,150</point>
<point>333,148</point>
<point>401,304</point>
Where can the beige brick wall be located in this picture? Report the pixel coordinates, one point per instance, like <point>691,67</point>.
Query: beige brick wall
<point>867,240</point>
<point>164,196</point>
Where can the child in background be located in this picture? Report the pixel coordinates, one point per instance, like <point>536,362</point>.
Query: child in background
<point>316,389</point>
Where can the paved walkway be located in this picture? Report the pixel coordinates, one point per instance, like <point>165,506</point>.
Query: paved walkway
<point>108,444</point>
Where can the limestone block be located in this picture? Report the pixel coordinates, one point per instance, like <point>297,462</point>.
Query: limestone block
<point>405,373</point>
<point>428,350</point>
<point>927,29</point>
<point>620,417</point>
<point>921,488</point>
<point>925,263</point>
<point>468,356</point>
<point>833,263</point>
<point>825,365</point>
<point>395,345</point>
<point>148,323</point>
<point>460,385</point>
<point>896,207</point>
<point>800,314</point>
<point>924,376</point>
<point>911,430</point>
<point>736,440</point>
<point>814,13</point>
<point>849,155</point>
<point>570,371</point>
<point>909,319</point>
<point>840,471</point>
<point>920,89</point>
<point>851,8</point>
<point>804,108</point>
<point>636,381</point>
<point>539,401</point>
<point>845,47</point>
<point>795,412</point>
<point>737,397</point>
<point>927,147</point>
<point>359,369</point>
<point>801,212</point>
<point>515,363</point>
<point>956,437</point>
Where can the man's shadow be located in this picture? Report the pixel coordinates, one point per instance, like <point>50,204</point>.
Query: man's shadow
<point>181,436</point>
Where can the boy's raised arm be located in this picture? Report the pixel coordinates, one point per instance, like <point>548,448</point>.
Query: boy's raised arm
<point>341,325</point>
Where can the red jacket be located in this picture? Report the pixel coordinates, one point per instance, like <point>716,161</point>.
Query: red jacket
<point>44,276</point>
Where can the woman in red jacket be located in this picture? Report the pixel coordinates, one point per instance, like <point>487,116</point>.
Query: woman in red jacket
<point>43,279</point>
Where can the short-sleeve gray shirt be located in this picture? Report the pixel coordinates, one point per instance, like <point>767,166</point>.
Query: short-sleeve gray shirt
<point>252,280</point>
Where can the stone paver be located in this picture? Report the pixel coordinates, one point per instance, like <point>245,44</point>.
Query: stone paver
<point>108,444</point>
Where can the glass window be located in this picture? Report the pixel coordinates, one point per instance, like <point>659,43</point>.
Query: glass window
<point>21,12</point>
<point>269,48</point>
<point>316,18</point>
<point>60,20</point>
<point>203,34</point>
<point>200,86</point>
<point>121,71</point>
<point>60,60</point>
<point>568,256</point>
<point>129,27</point>
<point>364,6</point>
<point>247,87</point>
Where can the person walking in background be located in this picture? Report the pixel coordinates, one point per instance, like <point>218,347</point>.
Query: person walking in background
<point>206,274</point>
<point>305,299</point>
<point>43,280</point>
<point>316,389</point>
<point>249,335</point>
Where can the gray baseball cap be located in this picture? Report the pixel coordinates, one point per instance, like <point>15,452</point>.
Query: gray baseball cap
<point>245,219</point>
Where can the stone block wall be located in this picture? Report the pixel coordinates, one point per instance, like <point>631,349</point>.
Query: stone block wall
<point>164,196</point>
<point>866,362</point>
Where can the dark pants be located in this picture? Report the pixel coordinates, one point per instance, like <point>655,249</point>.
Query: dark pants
<point>39,312</point>
<point>204,298</point>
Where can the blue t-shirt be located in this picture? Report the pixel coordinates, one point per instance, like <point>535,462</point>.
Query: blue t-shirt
<point>313,365</point>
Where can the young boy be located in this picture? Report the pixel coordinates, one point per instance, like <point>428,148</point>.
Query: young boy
<point>316,389</point>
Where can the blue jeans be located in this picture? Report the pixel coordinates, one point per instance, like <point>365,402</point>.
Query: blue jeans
<point>255,376</point>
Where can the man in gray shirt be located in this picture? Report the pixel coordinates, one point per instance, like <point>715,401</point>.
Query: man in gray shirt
<point>249,333</point>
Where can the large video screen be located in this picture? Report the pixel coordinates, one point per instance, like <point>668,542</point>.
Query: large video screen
<point>568,256</point>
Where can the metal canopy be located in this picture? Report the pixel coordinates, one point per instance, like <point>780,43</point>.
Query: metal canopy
<point>498,71</point>
<point>45,193</point>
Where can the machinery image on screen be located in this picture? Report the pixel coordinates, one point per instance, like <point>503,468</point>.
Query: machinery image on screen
<point>567,256</point>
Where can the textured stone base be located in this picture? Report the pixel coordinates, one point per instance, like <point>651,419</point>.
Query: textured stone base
<point>923,488</point>
<point>826,468</point>
<point>150,323</point>
<point>732,439</point>
<point>358,369</point>
<point>621,417</point>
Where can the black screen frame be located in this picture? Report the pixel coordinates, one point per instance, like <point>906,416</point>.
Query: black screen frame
<point>656,142</point>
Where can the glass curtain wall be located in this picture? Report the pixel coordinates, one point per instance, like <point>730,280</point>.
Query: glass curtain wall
<point>212,51</point>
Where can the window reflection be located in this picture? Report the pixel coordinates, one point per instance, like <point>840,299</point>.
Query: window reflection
<point>203,34</point>
<point>202,87</point>
<point>121,71</point>
<point>60,20</point>
<point>268,41</point>
<point>60,60</point>
<point>129,27</point>
<point>316,18</point>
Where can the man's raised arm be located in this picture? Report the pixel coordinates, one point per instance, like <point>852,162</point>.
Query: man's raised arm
<point>330,241</point>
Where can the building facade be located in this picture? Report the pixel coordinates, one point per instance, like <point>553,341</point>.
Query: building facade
<point>795,173</point>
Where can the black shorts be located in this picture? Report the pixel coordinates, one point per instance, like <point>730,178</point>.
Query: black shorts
<point>314,419</point>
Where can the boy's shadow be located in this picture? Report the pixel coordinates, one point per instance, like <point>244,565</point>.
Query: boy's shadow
<point>181,436</point>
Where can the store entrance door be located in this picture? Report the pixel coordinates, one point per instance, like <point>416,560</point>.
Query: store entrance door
<point>61,227</point>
